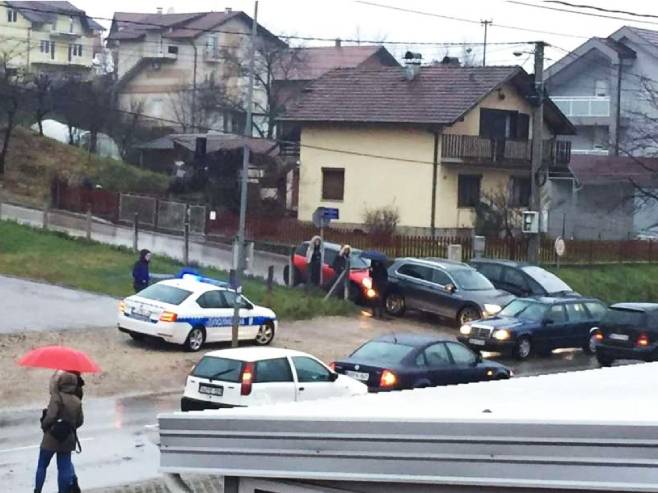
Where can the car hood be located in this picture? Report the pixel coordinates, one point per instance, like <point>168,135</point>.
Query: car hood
<point>506,322</point>
<point>489,296</point>
<point>263,312</point>
<point>487,363</point>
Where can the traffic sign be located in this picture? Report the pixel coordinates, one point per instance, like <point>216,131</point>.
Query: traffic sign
<point>560,246</point>
<point>330,213</point>
<point>323,216</point>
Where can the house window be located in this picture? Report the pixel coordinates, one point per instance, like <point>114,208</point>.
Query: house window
<point>44,46</point>
<point>520,191</point>
<point>502,124</point>
<point>333,183</point>
<point>12,15</point>
<point>468,190</point>
<point>52,50</point>
<point>172,50</point>
<point>71,24</point>
<point>601,88</point>
<point>76,49</point>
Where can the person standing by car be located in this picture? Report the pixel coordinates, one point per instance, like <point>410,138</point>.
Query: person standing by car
<point>59,423</point>
<point>379,275</point>
<point>340,262</point>
<point>141,276</point>
<point>314,259</point>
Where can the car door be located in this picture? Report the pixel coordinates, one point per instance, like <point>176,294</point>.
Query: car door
<point>412,280</point>
<point>440,299</point>
<point>216,316</point>
<point>434,364</point>
<point>465,363</point>
<point>273,381</point>
<point>515,282</point>
<point>328,273</point>
<point>493,272</point>
<point>248,329</point>
<point>580,323</point>
<point>313,379</point>
<point>554,329</point>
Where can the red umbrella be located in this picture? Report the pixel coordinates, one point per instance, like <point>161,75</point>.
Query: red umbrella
<point>59,358</point>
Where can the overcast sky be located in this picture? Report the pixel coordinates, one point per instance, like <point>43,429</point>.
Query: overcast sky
<point>349,19</point>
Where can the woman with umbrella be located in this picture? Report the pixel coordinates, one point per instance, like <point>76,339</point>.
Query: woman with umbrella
<point>379,276</point>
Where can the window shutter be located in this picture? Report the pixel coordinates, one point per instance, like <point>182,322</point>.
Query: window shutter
<point>333,183</point>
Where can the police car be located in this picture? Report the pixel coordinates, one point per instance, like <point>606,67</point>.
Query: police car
<point>191,310</point>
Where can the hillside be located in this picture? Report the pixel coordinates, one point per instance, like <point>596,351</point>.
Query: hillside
<point>33,162</point>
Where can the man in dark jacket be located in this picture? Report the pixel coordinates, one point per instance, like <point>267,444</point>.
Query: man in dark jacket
<point>141,275</point>
<point>379,275</point>
<point>59,424</point>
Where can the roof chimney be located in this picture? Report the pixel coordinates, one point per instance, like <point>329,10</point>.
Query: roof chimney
<point>451,60</point>
<point>412,63</point>
<point>228,10</point>
<point>339,42</point>
<point>159,10</point>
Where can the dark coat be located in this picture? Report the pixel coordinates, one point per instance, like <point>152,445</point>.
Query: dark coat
<point>379,276</point>
<point>141,274</point>
<point>66,405</point>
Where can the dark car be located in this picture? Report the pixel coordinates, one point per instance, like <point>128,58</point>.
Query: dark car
<point>522,279</point>
<point>450,289</point>
<point>529,325</point>
<point>407,361</point>
<point>628,331</point>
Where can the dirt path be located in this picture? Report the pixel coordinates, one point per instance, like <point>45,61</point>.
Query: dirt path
<point>131,367</point>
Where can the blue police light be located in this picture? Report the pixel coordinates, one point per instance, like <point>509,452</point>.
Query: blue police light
<point>191,274</point>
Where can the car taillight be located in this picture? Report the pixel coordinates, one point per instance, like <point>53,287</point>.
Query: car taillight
<point>388,379</point>
<point>643,340</point>
<point>247,378</point>
<point>168,317</point>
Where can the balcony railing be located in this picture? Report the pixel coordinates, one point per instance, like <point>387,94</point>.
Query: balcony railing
<point>583,106</point>
<point>289,149</point>
<point>472,149</point>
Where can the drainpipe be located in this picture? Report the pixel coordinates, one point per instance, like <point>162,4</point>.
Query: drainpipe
<point>618,115</point>
<point>29,48</point>
<point>435,172</point>
<point>194,87</point>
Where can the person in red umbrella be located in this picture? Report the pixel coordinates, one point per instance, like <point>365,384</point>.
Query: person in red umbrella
<point>60,422</point>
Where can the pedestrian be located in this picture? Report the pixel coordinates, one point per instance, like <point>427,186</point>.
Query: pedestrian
<point>59,424</point>
<point>340,262</point>
<point>314,259</point>
<point>141,275</point>
<point>379,276</point>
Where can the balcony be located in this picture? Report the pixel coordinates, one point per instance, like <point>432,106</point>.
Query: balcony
<point>480,151</point>
<point>212,55</point>
<point>583,106</point>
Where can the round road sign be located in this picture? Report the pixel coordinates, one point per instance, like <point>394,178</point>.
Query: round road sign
<point>560,246</point>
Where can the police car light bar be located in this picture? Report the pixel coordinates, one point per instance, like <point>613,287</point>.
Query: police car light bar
<point>195,276</point>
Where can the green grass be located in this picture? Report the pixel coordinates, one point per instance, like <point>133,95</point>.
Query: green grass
<point>614,283</point>
<point>57,258</point>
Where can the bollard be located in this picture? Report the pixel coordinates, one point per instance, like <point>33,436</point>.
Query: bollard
<point>136,231</point>
<point>186,233</point>
<point>270,285</point>
<point>88,223</point>
<point>291,268</point>
<point>45,216</point>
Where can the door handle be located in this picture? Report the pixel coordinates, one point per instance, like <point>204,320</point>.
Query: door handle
<point>301,389</point>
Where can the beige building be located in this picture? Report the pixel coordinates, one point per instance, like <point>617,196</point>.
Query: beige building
<point>47,36</point>
<point>160,58</point>
<point>432,142</point>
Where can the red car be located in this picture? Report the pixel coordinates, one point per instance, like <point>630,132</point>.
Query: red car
<point>360,281</point>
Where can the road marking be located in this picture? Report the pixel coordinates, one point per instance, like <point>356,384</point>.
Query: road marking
<point>28,447</point>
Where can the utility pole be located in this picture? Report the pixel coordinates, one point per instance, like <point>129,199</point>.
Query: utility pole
<point>194,87</point>
<point>244,183</point>
<point>486,24</point>
<point>537,152</point>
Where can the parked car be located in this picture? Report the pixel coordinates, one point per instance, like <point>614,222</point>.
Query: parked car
<point>628,331</point>
<point>406,361</point>
<point>537,325</point>
<point>522,279</point>
<point>192,310</point>
<point>360,282</point>
<point>251,376</point>
<point>450,289</point>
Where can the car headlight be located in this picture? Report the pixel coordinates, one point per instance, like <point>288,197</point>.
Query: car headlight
<point>502,334</point>
<point>465,329</point>
<point>122,306</point>
<point>367,283</point>
<point>491,309</point>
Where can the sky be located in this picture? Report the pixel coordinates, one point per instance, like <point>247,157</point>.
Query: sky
<point>360,19</point>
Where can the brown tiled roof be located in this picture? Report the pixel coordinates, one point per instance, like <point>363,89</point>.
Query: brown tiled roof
<point>606,170</point>
<point>437,95</point>
<point>45,12</point>
<point>207,21</point>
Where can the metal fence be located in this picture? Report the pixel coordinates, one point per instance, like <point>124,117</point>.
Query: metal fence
<point>144,208</point>
<point>159,214</point>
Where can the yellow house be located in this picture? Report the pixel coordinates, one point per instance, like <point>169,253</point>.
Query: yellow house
<point>47,36</point>
<point>430,141</point>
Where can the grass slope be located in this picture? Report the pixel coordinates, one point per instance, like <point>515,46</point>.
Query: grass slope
<point>77,263</point>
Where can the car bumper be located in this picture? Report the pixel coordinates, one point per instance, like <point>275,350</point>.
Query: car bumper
<point>189,404</point>
<point>492,345</point>
<point>649,353</point>
<point>175,333</point>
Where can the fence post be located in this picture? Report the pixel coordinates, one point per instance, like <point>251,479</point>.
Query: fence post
<point>135,231</point>
<point>291,268</point>
<point>346,284</point>
<point>270,283</point>
<point>650,252</point>
<point>186,234</point>
<point>156,217</point>
<point>46,207</point>
<point>88,222</point>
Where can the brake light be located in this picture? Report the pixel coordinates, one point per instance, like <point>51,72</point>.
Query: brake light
<point>247,378</point>
<point>332,365</point>
<point>643,340</point>
<point>168,317</point>
<point>388,379</point>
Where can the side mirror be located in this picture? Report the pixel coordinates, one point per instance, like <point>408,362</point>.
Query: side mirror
<point>450,288</point>
<point>478,358</point>
<point>333,377</point>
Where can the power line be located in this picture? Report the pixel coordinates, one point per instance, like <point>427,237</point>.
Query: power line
<point>601,9</point>
<point>589,14</point>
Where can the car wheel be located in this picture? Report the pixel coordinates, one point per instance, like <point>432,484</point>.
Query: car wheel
<point>265,334</point>
<point>523,348</point>
<point>604,360</point>
<point>468,314</point>
<point>195,339</point>
<point>590,347</point>
<point>136,336</point>
<point>395,304</point>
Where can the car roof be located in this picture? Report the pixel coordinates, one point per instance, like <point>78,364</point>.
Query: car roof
<point>191,284</point>
<point>549,300</point>
<point>443,263</point>
<point>506,263</point>
<point>409,339</point>
<point>254,353</point>
<point>642,307</point>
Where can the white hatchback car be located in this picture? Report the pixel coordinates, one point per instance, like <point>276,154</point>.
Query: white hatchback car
<point>193,310</point>
<point>257,375</point>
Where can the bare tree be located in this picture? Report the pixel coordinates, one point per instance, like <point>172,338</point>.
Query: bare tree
<point>497,215</point>
<point>41,86</point>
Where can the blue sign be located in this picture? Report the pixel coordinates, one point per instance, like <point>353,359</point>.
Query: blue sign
<point>330,213</point>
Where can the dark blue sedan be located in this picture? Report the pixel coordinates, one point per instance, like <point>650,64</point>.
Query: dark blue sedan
<point>406,361</point>
<point>537,325</point>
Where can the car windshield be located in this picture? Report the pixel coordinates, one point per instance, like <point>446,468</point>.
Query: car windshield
<point>386,353</point>
<point>358,262</point>
<point>165,294</point>
<point>547,280</point>
<point>228,370</point>
<point>524,310</point>
<point>620,317</point>
<point>471,280</point>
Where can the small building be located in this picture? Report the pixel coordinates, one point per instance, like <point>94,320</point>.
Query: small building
<point>431,142</point>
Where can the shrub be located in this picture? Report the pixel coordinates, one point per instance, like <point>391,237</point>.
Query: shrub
<point>382,221</point>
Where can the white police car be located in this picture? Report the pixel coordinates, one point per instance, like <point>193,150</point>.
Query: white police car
<point>192,310</point>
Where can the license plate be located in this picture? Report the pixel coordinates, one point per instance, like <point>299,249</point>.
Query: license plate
<point>211,390</point>
<point>476,342</point>
<point>358,375</point>
<point>619,337</point>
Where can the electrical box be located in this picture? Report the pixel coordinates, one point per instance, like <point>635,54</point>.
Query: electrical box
<point>530,222</point>
<point>455,253</point>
